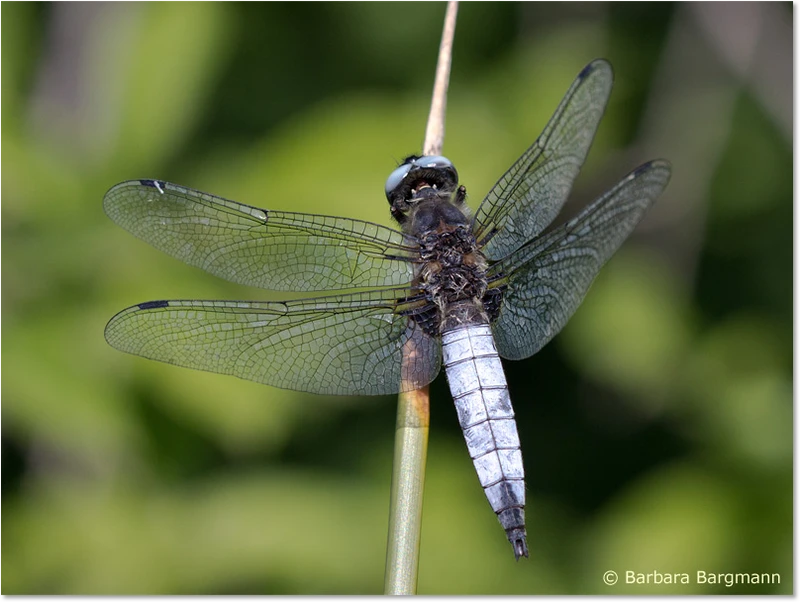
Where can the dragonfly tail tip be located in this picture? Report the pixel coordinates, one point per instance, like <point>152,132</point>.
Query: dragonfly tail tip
<point>520,547</point>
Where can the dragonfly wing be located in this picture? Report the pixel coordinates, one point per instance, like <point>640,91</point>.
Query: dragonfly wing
<point>531,193</point>
<point>274,250</point>
<point>338,345</point>
<point>548,278</point>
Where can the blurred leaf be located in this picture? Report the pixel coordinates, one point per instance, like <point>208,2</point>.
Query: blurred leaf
<point>231,534</point>
<point>736,389</point>
<point>173,56</point>
<point>632,329</point>
<point>678,520</point>
<point>53,394</point>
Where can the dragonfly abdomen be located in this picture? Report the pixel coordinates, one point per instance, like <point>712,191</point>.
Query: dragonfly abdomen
<point>480,392</point>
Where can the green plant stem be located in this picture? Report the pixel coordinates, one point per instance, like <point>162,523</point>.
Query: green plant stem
<point>408,481</point>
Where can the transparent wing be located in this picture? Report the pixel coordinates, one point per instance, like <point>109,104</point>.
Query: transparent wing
<point>530,195</point>
<point>338,345</point>
<point>274,250</point>
<point>548,278</point>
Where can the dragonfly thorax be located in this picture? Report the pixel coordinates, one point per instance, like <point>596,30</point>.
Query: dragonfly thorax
<point>452,269</point>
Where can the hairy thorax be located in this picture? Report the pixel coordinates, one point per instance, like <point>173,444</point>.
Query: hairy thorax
<point>452,269</point>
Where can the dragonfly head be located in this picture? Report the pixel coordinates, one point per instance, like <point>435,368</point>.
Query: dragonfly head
<point>417,179</point>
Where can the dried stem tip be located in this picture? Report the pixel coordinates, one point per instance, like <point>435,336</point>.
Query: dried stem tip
<point>434,133</point>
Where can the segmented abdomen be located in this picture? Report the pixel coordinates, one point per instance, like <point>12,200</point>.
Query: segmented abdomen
<point>480,392</point>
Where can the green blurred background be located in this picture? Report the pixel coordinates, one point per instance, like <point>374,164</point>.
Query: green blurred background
<point>656,429</point>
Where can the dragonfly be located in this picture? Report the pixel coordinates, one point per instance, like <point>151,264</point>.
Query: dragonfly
<point>448,288</point>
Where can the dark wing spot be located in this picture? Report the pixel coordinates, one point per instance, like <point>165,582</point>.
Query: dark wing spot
<point>587,70</point>
<point>645,167</point>
<point>593,66</point>
<point>157,184</point>
<point>153,304</point>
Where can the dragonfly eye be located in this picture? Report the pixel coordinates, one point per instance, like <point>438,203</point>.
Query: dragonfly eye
<point>396,178</point>
<point>434,162</point>
<point>439,170</point>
